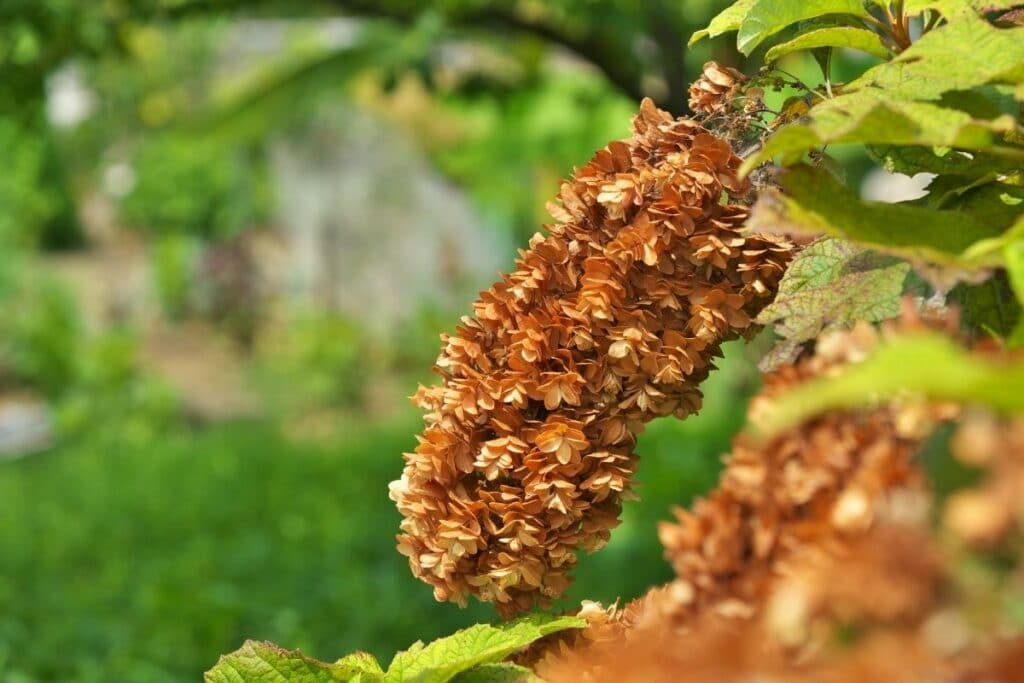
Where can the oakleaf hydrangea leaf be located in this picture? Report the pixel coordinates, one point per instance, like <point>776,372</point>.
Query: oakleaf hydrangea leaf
<point>915,159</point>
<point>872,117</point>
<point>726,21</point>
<point>836,36</point>
<point>257,662</point>
<point>814,203</point>
<point>831,284</point>
<point>959,55</point>
<point>768,17</point>
<point>443,659</point>
<point>505,672</point>
<point>360,667</point>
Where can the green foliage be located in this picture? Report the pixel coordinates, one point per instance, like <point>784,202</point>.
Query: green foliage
<point>870,117</point>
<point>458,657</point>
<point>836,36</point>
<point>193,186</point>
<point>948,102</point>
<point>174,259</point>
<point>831,284</point>
<point>924,364</point>
<point>317,360</point>
<point>39,330</point>
<point>813,202</point>
<point>28,202</point>
<point>160,555</point>
<point>442,660</point>
<point>767,17</point>
<point>111,398</point>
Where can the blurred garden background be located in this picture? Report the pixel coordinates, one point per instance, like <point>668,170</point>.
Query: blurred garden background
<point>231,233</point>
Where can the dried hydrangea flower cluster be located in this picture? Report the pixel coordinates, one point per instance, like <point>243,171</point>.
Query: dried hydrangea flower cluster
<point>796,492</point>
<point>825,526</point>
<point>716,89</point>
<point>611,319</point>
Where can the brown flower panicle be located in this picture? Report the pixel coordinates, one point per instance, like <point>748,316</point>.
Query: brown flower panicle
<point>611,319</point>
<point>824,529</point>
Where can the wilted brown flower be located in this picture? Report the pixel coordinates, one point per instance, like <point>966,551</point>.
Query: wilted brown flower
<point>801,490</point>
<point>611,319</point>
<point>715,90</point>
<point>826,531</point>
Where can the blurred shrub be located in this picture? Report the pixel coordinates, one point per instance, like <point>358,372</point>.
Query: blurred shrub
<point>191,185</point>
<point>39,330</point>
<point>112,398</point>
<point>174,258</point>
<point>316,360</point>
<point>28,202</point>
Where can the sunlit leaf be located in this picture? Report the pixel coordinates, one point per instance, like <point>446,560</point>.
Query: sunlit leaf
<point>360,666</point>
<point>836,36</point>
<point>726,21</point>
<point>871,117</point>
<point>443,659</point>
<point>959,55</point>
<point>257,662</point>
<point>925,364</point>
<point>768,17</point>
<point>956,7</point>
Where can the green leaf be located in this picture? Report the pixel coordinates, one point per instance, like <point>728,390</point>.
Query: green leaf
<point>871,117</point>
<point>443,659</point>
<point>955,7</point>
<point>725,21</point>
<point>1013,257</point>
<point>988,307</point>
<point>360,666</point>
<point>960,55</point>
<point>925,364</point>
<point>831,284</point>
<point>914,159</point>
<point>814,203</point>
<point>768,17</point>
<point>837,36</point>
<point>257,662</point>
<point>505,672</point>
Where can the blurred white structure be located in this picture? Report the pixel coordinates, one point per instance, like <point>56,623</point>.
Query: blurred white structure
<point>373,230</point>
<point>883,186</point>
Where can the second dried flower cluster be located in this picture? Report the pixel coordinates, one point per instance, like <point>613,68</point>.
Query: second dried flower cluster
<point>611,319</point>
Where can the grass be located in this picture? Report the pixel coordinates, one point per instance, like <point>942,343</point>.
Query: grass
<point>144,563</point>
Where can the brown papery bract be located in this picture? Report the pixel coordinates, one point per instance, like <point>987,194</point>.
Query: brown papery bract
<point>817,557</point>
<point>610,320</point>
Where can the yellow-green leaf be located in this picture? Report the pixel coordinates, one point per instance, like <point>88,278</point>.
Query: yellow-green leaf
<point>836,36</point>
<point>871,117</point>
<point>815,203</point>
<point>768,17</point>
<point>960,55</point>
<point>726,21</point>
<point>925,364</point>
<point>443,659</point>
<point>257,662</point>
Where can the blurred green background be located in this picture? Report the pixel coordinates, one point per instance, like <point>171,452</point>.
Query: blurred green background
<point>231,234</point>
